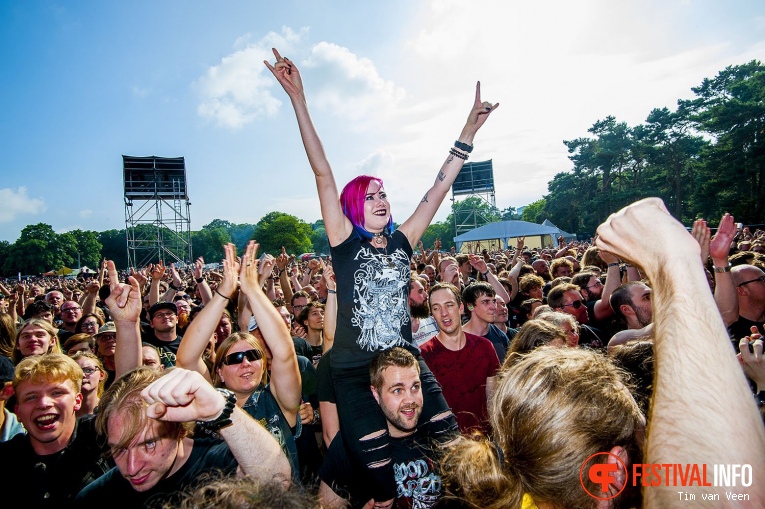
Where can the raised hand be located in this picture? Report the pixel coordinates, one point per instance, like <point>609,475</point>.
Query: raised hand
<point>158,271</point>
<point>177,281</point>
<point>478,263</point>
<point>701,233</point>
<point>139,276</point>
<point>480,111</point>
<point>182,395</point>
<point>287,74</point>
<point>93,287</point>
<point>752,362</point>
<point>719,247</point>
<point>282,260</point>
<point>329,277</point>
<point>124,301</point>
<point>228,284</point>
<point>248,272</point>
<point>199,265</point>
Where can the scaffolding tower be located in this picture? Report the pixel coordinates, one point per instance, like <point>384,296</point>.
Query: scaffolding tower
<point>157,206</point>
<point>477,180</point>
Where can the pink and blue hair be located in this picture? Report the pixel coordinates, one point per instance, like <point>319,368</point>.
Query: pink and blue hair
<point>352,201</point>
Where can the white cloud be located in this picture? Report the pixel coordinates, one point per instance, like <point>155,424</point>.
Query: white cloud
<point>86,213</point>
<point>372,164</point>
<point>350,86</point>
<point>17,202</point>
<point>238,90</point>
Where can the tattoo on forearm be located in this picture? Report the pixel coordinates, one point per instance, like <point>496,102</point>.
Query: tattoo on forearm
<point>451,158</point>
<point>442,175</point>
<point>425,198</point>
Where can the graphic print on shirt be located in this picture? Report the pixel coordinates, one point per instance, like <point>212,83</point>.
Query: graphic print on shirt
<point>417,483</point>
<point>380,309</point>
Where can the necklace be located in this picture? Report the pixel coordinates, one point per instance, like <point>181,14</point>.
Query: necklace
<point>378,239</point>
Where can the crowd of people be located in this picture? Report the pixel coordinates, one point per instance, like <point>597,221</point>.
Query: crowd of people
<point>391,374</point>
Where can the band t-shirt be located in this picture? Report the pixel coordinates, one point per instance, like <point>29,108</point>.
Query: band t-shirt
<point>372,299</point>
<point>207,456</point>
<point>418,485</point>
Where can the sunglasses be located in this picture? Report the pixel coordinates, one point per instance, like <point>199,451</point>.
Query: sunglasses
<point>576,304</point>
<point>238,357</point>
<point>760,279</point>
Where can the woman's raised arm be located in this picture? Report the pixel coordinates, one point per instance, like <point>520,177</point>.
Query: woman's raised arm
<point>197,336</point>
<point>415,226</point>
<point>338,226</point>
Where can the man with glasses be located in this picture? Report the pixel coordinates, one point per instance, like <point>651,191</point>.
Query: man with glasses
<point>739,291</point>
<point>71,312</point>
<point>164,323</point>
<point>298,302</point>
<point>568,299</point>
<point>749,282</point>
<point>597,295</point>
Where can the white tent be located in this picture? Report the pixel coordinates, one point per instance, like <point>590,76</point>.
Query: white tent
<point>537,235</point>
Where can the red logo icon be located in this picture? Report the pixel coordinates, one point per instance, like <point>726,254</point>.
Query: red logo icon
<point>603,475</point>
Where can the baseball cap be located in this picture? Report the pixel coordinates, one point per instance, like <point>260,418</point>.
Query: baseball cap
<point>105,328</point>
<point>162,305</point>
<point>6,369</point>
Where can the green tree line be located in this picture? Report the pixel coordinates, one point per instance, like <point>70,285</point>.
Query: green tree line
<point>705,158</point>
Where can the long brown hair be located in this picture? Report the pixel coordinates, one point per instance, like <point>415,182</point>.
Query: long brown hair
<point>551,411</point>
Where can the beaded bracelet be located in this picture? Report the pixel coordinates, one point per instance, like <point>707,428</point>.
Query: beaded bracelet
<point>224,419</point>
<point>459,154</point>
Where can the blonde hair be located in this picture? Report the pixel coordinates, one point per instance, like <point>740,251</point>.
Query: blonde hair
<point>551,411</point>
<point>56,367</point>
<point>124,396</point>
<point>16,357</point>
<point>591,256</point>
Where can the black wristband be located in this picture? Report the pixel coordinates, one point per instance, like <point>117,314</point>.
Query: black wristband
<point>199,279</point>
<point>463,146</point>
<point>224,419</point>
<point>176,288</point>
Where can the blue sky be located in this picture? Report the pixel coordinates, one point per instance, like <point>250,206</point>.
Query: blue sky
<point>389,85</point>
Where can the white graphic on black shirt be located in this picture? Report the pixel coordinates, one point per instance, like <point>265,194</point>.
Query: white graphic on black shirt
<point>380,299</point>
<point>416,481</point>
